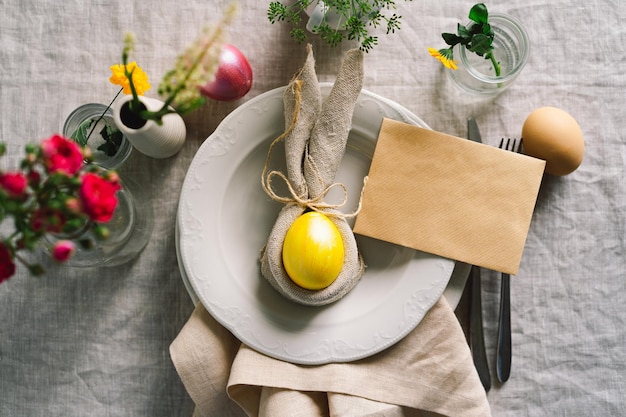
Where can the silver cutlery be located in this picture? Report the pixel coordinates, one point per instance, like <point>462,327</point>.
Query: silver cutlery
<point>476,334</point>
<point>503,350</point>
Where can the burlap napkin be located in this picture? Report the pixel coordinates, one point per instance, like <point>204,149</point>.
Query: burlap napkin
<point>449,196</point>
<point>315,141</point>
<point>428,373</point>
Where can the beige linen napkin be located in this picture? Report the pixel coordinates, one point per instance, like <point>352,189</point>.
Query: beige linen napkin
<point>449,196</point>
<point>428,373</point>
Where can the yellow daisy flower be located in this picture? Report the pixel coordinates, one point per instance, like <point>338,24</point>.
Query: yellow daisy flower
<point>444,56</point>
<point>140,78</point>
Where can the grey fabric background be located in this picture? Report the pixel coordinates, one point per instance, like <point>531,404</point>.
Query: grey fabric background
<point>94,342</point>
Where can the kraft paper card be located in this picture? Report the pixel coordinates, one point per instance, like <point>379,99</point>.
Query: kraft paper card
<point>448,196</point>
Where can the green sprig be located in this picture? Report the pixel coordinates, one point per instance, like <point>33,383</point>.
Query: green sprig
<point>356,17</point>
<point>477,36</point>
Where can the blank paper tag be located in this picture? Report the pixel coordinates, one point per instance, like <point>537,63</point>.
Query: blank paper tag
<point>449,196</point>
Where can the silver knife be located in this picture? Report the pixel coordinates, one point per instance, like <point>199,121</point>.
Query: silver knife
<point>503,351</point>
<point>476,335</point>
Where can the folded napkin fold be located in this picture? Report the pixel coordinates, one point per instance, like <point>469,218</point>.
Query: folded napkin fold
<point>430,372</point>
<point>449,196</point>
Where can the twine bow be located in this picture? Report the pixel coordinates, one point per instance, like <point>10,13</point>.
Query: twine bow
<point>316,203</point>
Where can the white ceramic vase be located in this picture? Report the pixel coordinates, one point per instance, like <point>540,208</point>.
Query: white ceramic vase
<point>150,138</point>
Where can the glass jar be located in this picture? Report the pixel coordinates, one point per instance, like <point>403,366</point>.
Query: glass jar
<point>129,231</point>
<point>476,75</point>
<point>83,119</point>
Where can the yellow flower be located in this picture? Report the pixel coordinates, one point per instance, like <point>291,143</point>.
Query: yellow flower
<point>444,56</point>
<point>140,78</point>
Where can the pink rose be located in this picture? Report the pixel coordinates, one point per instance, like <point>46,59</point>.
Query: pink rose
<point>14,183</point>
<point>62,155</point>
<point>7,267</point>
<point>98,198</point>
<point>63,250</point>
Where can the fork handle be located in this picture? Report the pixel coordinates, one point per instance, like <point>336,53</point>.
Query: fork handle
<point>503,352</point>
<point>477,339</point>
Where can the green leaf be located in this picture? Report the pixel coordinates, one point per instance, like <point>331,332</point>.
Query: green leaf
<point>478,13</point>
<point>356,28</point>
<point>462,31</point>
<point>393,23</point>
<point>474,28</point>
<point>112,140</point>
<point>108,148</point>
<point>276,12</point>
<point>451,39</point>
<point>375,19</point>
<point>297,35</point>
<point>115,135</point>
<point>368,43</point>
<point>488,31</point>
<point>80,135</point>
<point>481,44</point>
<point>35,269</point>
<point>330,36</point>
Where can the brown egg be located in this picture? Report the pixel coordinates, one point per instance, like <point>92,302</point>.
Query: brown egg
<point>553,135</point>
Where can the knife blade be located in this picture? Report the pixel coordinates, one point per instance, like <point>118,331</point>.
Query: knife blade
<point>503,351</point>
<point>476,334</point>
<point>473,133</point>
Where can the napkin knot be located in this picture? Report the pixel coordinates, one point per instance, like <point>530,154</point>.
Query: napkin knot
<point>315,203</point>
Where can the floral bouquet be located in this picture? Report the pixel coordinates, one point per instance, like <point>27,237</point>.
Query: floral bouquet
<point>55,190</point>
<point>207,68</point>
<point>477,37</point>
<point>181,87</point>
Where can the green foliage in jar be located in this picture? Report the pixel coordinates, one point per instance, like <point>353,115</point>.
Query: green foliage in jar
<point>356,18</point>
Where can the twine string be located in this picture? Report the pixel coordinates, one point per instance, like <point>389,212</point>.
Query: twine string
<point>316,203</point>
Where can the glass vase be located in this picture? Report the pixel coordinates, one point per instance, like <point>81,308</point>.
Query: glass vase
<point>476,75</point>
<point>82,119</point>
<point>129,231</point>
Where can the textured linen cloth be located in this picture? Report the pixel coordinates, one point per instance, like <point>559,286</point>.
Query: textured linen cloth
<point>430,370</point>
<point>95,342</point>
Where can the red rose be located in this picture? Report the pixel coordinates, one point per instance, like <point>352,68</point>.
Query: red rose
<point>34,178</point>
<point>62,155</point>
<point>98,197</point>
<point>14,183</point>
<point>7,267</point>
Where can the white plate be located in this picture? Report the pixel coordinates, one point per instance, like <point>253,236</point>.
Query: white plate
<point>224,219</point>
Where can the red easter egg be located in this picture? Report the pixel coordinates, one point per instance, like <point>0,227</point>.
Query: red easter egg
<point>233,79</point>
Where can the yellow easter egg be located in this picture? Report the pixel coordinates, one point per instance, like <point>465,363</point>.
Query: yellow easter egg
<point>313,251</point>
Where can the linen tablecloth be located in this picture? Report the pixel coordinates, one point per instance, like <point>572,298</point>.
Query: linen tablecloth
<point>95,341</point>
